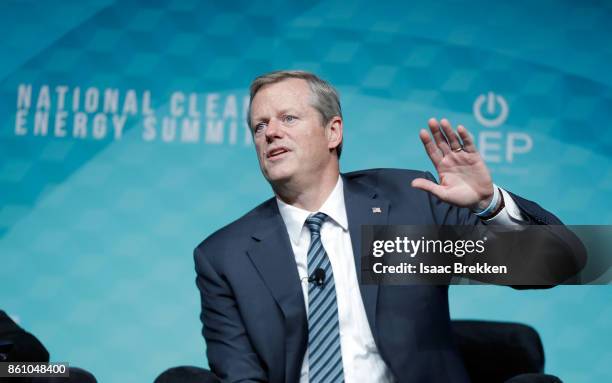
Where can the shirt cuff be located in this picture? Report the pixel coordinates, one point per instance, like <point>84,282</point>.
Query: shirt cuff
<point>510,215</point>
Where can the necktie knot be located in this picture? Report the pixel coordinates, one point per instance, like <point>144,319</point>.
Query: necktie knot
<point>315,221</point>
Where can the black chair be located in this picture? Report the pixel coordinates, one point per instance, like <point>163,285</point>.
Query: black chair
<point>493,352</point>
<point>501,352</point>
<point>187,374</point>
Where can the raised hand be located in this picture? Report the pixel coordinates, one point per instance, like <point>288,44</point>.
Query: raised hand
<point>465,180</point>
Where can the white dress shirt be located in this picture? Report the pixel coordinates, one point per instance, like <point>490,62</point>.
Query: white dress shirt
<point>361,360</point>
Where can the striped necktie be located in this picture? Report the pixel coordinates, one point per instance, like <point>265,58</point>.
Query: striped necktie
<point>324,355</point>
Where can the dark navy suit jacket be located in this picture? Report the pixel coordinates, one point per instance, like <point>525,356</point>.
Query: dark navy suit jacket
<point>252,304</point>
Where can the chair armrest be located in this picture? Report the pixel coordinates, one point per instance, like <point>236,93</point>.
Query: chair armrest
<point>498,351</point>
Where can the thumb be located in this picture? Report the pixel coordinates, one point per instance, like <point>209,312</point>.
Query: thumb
<point>428,186</point>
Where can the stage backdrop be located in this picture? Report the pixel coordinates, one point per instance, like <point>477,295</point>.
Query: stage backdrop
<point>123,145</point>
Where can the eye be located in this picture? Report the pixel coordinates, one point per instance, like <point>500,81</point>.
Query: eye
<point>259,127</point>
<point>288,119</point>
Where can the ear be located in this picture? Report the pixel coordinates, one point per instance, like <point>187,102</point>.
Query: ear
<point>334,132</point>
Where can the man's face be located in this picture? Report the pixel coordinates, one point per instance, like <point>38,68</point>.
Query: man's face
<point>291,142</point>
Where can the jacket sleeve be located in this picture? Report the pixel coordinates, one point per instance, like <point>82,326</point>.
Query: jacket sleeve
<point>230,353</point>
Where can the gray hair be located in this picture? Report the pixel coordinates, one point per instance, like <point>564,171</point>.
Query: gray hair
<point>325,97</point>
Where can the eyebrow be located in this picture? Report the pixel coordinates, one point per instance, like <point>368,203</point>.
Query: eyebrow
<point>258,119</point>
<point>288,111</point>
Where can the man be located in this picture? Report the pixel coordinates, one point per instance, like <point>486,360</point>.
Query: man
<point>268,317</point>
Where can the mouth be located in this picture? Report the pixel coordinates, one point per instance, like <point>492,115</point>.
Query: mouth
<point>276,153</point>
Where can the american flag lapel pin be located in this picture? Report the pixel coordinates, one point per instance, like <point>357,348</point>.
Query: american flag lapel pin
<point>376,209</point>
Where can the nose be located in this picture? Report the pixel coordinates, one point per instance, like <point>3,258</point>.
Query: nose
<point>273,130</point>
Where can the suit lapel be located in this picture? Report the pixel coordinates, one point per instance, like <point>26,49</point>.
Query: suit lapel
<point>364,207</point>
<point>273,257</point>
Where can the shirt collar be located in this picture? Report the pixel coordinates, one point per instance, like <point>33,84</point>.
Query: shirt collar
<point>333,207</point>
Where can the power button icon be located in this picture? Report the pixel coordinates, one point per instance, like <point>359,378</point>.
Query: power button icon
<point>496,109</point>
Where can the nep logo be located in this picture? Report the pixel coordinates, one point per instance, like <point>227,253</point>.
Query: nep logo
<point>491,110</point>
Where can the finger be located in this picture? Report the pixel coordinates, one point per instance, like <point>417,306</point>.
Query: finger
<point>430,147</point>
<point>438,136</point>
<point>468,140</point>
<point>451,136</point>
<point>428,186</point>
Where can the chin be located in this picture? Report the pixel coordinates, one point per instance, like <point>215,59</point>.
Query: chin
<point>278,175</point>
<point>279,179</point>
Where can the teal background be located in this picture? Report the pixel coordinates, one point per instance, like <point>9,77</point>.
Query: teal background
<point>96,236</point>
